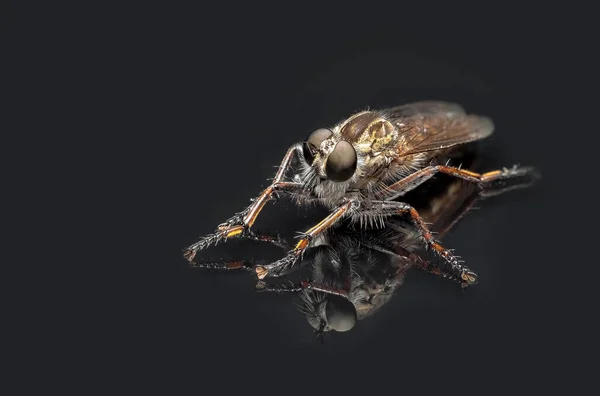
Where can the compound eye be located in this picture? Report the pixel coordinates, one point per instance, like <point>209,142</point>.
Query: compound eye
<point>313,142</point>
<point>341,163</point>
<point>340,313</point>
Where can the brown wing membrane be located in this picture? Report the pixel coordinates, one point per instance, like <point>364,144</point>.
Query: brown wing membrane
<point>431,125</point>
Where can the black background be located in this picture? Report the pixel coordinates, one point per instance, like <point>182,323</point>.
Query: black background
<point>166,118</point>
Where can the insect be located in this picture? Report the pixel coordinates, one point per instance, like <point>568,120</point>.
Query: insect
<point>360,167</point>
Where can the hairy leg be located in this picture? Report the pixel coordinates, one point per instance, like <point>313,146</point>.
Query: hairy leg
<point>494,182</point>
<point>240,223</point>
<point>283,265</point>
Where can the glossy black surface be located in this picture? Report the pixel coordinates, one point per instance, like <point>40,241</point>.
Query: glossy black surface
<point>185,109</point>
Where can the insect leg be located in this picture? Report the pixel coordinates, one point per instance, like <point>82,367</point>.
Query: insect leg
<point>277,268</point>
<point>419,262</point>
<point>456,267</point>
<point>241,222</point>
<point>496,182</point>
<point>431,268</point>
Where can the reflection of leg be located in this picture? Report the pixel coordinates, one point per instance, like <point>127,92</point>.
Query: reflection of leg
<point>224,265</point>
<point>241,264</point>
<point>497,181</point>
<point>297,287</point>
<point>410,259</point>
<point>241,222</point>
<point>262,237</point>
<point>456,267</point>
<point>283,265</point>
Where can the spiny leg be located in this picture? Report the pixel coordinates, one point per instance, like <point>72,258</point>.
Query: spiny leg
<point>461,197</point>
<point>496,182</point>
<point>277,268</point>
<point>429,267</point>
<point>490,189</point>
<point>417,261</point>
<point>241,222</point>
<point>190,252</point>
<point>456,267</point>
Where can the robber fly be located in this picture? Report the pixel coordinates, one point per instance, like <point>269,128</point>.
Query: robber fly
<point>360,166</point>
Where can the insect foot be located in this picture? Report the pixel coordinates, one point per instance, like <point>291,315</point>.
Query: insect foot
<point>189,255</point>
<point>279,267</point>
<point>469,278</point>
<point>222,234</point>
<point>496,182</point>
<point>234,227</point>
<point>261,272</point>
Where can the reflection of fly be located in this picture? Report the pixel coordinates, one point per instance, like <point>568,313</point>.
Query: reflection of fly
<point>361,165</point>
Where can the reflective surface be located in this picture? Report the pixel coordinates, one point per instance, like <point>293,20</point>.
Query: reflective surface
<point>221,316</point>
<point>184,109</point>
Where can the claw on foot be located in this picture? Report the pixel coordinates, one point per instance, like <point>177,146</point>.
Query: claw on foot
<point>260,285</point>
<point>189,255</point>
<point>500,181</point>
<point>469,278</point>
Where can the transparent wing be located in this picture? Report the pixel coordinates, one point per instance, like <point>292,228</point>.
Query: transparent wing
<point>433,125</point>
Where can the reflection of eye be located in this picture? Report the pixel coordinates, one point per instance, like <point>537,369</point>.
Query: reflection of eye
<point>313,142</point>
<point>341,163</point>
<point>340,313</point>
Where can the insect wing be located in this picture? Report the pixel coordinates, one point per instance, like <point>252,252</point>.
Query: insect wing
<point>433,125</point>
